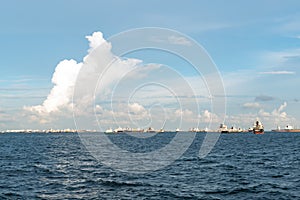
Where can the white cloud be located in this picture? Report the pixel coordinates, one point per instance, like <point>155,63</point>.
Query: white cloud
<point>270,119</point>
<point>277,116</point>
<point>66,73</point>
<point>186,113</point>
<point>136,108</point>
<point>61,94</point>
<point>280,109</point>
<point>209,117</point>
<point>122,114</point>
<point>59,101</point>
<point>263,113</point>
<point>95,40</point>
<point>127,74</point>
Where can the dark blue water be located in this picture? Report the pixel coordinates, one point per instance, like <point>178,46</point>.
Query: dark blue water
<point>241,166</point>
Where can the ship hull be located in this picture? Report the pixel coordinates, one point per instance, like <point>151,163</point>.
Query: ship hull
<point>224,132</point>
<point>293,130</point>
<point>287,131</point>
<point>257,132</point>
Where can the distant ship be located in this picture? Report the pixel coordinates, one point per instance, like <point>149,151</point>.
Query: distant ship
<point>197,130</point>
<point>161,130</point>
<point>109,131</point>
<point>258,128</point>
<point>150,130</point>
<point>223,128</point>
<point>278,129</point>
<point>287,128</point>
<point>177,130</point>
<point>233,129</point>
<point>119,130</point>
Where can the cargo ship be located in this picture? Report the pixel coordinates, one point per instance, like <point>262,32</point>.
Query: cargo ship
<point>287,128</point>
<point>258,128</point>
<point>223,128</point>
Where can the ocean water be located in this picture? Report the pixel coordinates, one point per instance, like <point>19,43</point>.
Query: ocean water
<point>241,166</point>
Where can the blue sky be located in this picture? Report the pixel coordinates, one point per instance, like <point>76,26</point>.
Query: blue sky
<point>255,45</point>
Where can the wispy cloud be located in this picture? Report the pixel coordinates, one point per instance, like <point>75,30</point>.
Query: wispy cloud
<point>251,105</point>
<point>17,88</point>
<point>176,40</point>
<point>179,40</point>
<point>264,98</point>
<point>284,58</point>
<point>278,72</point>
<point>22,80</point>
<point>22,96</point>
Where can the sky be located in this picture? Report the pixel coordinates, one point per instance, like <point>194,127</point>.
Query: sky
<point>44,44</point>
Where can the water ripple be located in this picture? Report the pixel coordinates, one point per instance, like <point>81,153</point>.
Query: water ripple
<point>241,166</point>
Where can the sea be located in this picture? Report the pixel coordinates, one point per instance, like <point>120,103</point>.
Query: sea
<point>240,166</point>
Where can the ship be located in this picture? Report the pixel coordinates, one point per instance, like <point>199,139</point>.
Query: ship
<point>162,130</point>
<point>150,130</point>
<point>233,129</point>
<point>287,128</point>
<point>258,128</point>
<point>177,130</point>
<point>119,130</point>
<point>197,130</point>
<point>223,128</point>
<point>109,131</point>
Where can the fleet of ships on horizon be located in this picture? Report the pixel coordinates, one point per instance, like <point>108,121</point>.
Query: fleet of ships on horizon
<point>257,128</point>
